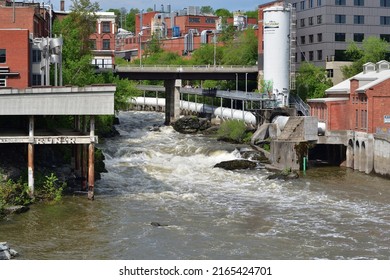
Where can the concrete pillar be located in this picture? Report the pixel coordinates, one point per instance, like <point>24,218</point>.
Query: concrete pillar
<point>84,155</point>
<point>172,100</point>
<point>91,160</point>
<point>31,157</point>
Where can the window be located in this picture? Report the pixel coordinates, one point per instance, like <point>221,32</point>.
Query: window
<point>330,73</point>
<point>385,3</point>
<point>358,2</point>
<point>210,20</point>
<point>358,37</point>
<point>302,6</point>
<point>36,79</point>
<point>294,5</point>
<point>319,19</point>
<point>364,118</point>
<point>194,20</point>
<point>385,37</point>
<point>310,20</point>
<point>319,37</point>
<point>311,39</point>
<point>106,44</point>
<point>319,55</point>
<point>339,37</point>
<point>106,26</point>
<point>302,22</point>
<point>36,56</point>
<point>303,56</point>
<point>339,2</point>
<point>311,55</point>
<point>340,19</point>
<point>358,19</point>
<point>2,56</point>
<point>385,20</point>
<point>310,3</point>
<point>319,3</point>
<point>3,82</point>
<point>356,118</point>
<point>303,40</point>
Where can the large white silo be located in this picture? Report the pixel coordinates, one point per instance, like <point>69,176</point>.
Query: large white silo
<point>277,51</point>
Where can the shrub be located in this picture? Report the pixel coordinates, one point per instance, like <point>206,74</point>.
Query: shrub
<point>232,130</point>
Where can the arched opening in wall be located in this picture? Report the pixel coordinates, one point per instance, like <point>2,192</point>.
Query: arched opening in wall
<point>363,158</point>
<point>327,155</point>
<point>350,154</point>
<point>357,156</point>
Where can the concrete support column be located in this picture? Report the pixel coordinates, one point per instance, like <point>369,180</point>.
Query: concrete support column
<point>31,157</point>
<point>172,100</point>
<point>84,162</point>
<point>91,160</point>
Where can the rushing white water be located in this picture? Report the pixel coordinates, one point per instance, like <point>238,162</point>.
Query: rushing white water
<point>166,177</point>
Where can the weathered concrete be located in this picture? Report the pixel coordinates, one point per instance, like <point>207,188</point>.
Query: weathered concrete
<point>89,100</point>
<point>172,108</point>
<point>382,155</point>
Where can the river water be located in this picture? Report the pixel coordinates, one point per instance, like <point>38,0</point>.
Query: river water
<point>210,213</point>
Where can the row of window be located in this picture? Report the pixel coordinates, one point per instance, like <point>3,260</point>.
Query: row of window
<point>309,56</point>
<point>105,45</point>
<point>197,20</point>
<point>338,37</point>
<point>342,19</point>
<point>310,21</point>
<point>309,4</point>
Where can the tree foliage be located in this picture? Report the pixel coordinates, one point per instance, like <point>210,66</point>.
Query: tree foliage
<point>205,55</point>
<point>224,13</point>
<point>373,49</point>
<point>243,50</point>
<point>312,81</point>
<point>207,10</point>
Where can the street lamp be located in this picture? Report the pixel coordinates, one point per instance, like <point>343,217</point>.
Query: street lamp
<point>140,49</point>
<point>215,47</point>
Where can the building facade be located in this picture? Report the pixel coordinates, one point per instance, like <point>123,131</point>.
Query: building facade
<point>324,29</point>
<point>181,31</point>
<point>19,58</point>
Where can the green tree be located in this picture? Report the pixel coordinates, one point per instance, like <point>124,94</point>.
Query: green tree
<point>243,50</point>
<point>207,10</point>
<point>311,81</point>
<point>130,19</point>
<point>205,55</point>
<point>224,13</point>
<point>228,33</point>
<point>252,14</point>
<point>373,49</point>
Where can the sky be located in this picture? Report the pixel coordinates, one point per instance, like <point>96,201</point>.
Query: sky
<point>231,5</point>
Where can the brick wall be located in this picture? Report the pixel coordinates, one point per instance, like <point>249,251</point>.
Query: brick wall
<point>17,56</point>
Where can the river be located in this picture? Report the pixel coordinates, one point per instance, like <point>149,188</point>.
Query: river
<point>166,177</point>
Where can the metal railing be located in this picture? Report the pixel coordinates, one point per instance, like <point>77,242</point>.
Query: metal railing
<point>299,104</point>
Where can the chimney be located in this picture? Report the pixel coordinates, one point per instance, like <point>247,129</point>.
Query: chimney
<point>62,5</point>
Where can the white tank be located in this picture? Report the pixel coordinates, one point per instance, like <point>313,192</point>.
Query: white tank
<point>277,51</point>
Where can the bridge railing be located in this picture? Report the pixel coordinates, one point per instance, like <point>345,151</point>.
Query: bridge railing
<point>187,68</point>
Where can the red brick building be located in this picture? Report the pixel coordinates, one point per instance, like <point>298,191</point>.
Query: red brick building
<point>14,58</point>
<point>181,31</point>
<point>360,103</point>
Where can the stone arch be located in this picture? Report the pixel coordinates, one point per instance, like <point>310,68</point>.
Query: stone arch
<point>350,154</point>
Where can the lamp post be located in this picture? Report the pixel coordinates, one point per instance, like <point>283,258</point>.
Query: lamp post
<point>140,49</point>
<point>215,48</point>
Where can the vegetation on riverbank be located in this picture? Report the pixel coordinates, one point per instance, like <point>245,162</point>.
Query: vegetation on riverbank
<point>16,193</point>
<point>234,131</point>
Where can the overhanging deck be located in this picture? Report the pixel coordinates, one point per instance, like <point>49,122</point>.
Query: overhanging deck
<point>38,101</point>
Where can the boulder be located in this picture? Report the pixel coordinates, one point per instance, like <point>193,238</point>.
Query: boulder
<point>6,253</point>
<point>190,124</point>
<point>236,164</point>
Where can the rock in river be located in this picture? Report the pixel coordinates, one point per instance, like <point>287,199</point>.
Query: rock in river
<point>236,164</point>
